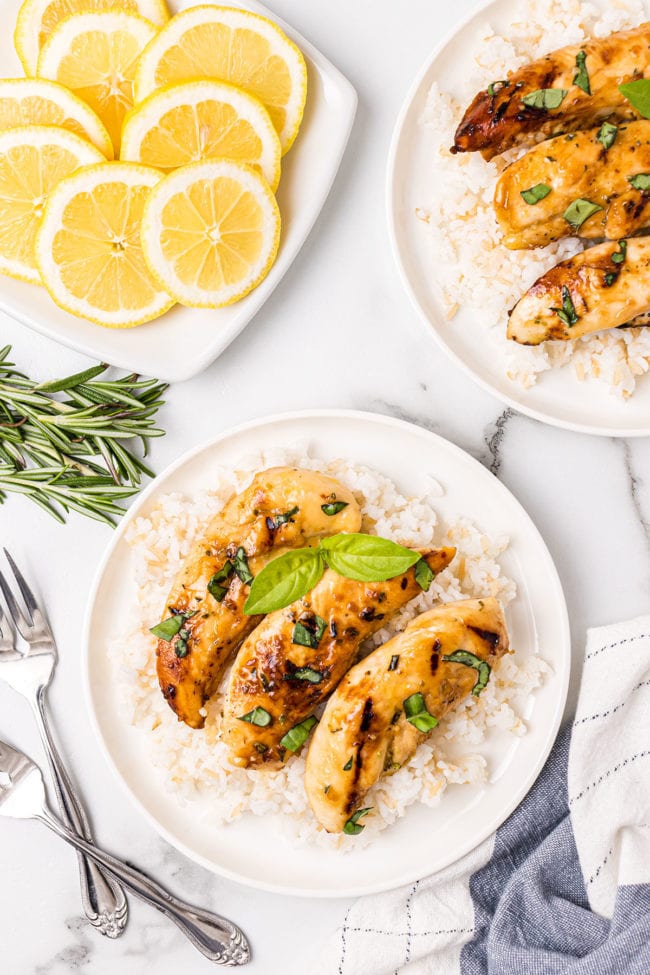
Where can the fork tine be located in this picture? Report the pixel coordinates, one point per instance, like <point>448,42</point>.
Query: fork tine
<point>6,629</point>
<point>20,621</point>
<point>33,608</point>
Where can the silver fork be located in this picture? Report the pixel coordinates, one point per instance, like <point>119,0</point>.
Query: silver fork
<point>30,674</point>
<point>22,796</point>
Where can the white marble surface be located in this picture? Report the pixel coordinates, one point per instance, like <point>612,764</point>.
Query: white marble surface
<point>338,332</point>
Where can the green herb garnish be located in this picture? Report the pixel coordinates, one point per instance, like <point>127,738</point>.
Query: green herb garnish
<point>607,134</point>
<point>640,182</point>
<point>348,764</point>
<point>495,86</point>
<point>333,507</point>
<point>424,575</point>
<point>167,629</point>
<point>471,660</point>
<point>352,826</point>
<point>567,313</point>
<point>394,660</point>
<point>308,633</point>
<point>535,193</point>
<point>367,558</point>
<point>579,211</point>
<point>284,580</point>
<point>298,735</point>
<point>279,520</point>
<point>416,712</point>
<point>258,716</point>
<point>619,256</point>
<point>216,585</point>
<point>240,565</point>
<point>610,277</point>
<point>181,649</point>
<point>545,98</point>
<point>638,95</point>
<point>581,77</point>
<point>305,673</point>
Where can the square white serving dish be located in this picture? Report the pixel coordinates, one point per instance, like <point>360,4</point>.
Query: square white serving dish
<point>186,340</point>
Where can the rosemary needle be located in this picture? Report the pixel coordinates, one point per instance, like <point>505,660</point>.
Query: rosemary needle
<point>77,443</point>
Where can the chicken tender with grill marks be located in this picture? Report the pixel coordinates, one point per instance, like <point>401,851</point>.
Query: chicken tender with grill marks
<point>280,510</point>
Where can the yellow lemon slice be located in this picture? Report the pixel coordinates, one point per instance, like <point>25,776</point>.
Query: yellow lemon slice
<point>95,55</point>
<point>202,120</point>
<point>31,101</point>
<point>231,45</point>
<point>210,232</point>
<point>88,246</point>
<point>33,159</point>
<point>38,18</point>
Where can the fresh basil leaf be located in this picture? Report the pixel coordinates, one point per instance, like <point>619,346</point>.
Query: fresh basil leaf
<point>348,764</point>
<point>296,737</point>
<point>240,565</point>
<point>284,580</point>
<point>545,98</point>
<point>640,182</point>
<point>417,714</point>
<point>216,585</point>
<point>167,629</point>
<point>535,193</point>
<point>581,77</point>
<point>619,256</point>
<point>258,716</point>
<point>638,95</point>
<point>305,673</point>
<point>567,313</point>
<point>308,632</point>
<point>333,507</point>
<point>579,211</point>
<point>424,575</point>
<point>394,661</point>
<point>274,523</point>
<point>607,134</point>
<point>471,660</point>
<point>496,86</point>
<point>352,826</point>
<point>367,558</point>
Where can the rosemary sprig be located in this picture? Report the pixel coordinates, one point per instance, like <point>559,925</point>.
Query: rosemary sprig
<point>82,451</point>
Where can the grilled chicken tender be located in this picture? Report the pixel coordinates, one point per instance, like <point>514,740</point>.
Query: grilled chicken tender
<point>364,732</point>
<point>288,680</point>
<point>602,287</point>
<point>498,118</point>
<point>281,509</point>
<point>576,167</point>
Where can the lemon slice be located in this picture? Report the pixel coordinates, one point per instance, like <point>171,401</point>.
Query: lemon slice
<point>31,101</point>
<point>33,159</point>
<point>95,56</point>
<point>231,45</point>
<point>38,18</point>
<point>202,120</point>
<point>88,246</point>
<point>210,232</point>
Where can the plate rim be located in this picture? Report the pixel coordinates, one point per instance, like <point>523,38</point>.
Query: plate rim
<point>552,726</point>
<point>427,324</point>
<point>206,356</point>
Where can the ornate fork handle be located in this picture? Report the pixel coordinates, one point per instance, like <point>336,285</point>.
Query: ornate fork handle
<point>215,937</point>
<point>103,899</point>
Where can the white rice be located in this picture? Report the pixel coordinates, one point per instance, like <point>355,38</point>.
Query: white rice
<point>194,764</point>
<point>472,267</point>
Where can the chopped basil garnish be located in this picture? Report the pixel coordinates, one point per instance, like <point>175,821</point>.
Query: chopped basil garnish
<point>258,716</point>
<point>260,747</point>
<point>352,826</point>
<point>567,313</point>
<point>607,134</point>
<point>305,673</point>
<point>296,737</point>
<point>167,629</point>
<point>579,211</point>
<point>240,565</point>
<point>367,558</point>
<point>545,98</point>
<point>581,78</point>
<point>610,277</point>
<point>333,507</point>
<point>279,520</point>
<point>621,254</point>
<point>638,95</point>
<point>216,585</point>
<point>471,660</point>
<point>394,660</point>
<point>640,182</point>
<point>424,575</point>
<point>181,644</point>
<point>417,714</point>
<point>308,633</point>
<point>348,764</point>
<point>496,86</point>
<point>535,193</point>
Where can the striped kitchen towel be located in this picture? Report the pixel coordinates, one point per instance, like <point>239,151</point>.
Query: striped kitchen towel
<point>564,885</point>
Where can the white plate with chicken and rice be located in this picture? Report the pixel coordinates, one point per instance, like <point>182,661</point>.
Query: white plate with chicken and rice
<point>224,763</point>
<point>449,239</point>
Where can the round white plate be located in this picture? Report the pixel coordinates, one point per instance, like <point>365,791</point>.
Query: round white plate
<point>558,397</point>
<point>250,850</point>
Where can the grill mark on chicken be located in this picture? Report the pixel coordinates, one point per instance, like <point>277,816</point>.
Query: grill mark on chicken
<point>490,638</point>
